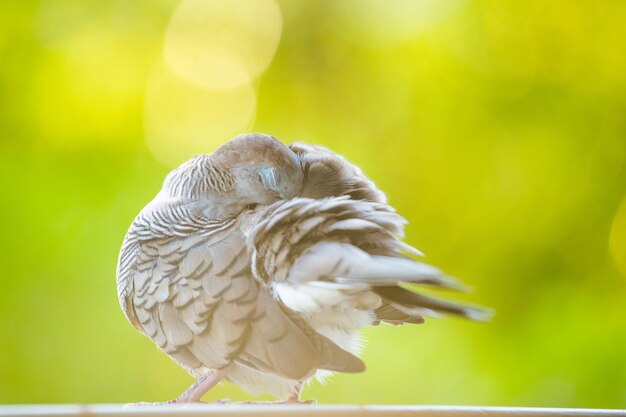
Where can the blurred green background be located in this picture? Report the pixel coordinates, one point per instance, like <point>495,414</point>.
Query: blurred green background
<point>497,128</point>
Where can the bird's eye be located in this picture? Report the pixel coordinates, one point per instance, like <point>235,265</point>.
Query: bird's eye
<point>269,178</point>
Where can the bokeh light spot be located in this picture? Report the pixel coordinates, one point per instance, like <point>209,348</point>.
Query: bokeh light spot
<point>375,22</point>
<point>222,44</point>
<point>183,119</point>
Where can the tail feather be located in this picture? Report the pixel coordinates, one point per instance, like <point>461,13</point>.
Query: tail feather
<point>395,315</point>
<point>347,263</point>
<point>412,300</point>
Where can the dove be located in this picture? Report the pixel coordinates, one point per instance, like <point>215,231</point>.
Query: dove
<point>260,263</point>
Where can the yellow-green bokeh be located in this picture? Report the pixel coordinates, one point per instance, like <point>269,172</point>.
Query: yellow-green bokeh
<point>497,128</point>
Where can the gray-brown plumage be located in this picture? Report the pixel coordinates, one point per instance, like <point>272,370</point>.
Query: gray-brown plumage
<point>259,263</point>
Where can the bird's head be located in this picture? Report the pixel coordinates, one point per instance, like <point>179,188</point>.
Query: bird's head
<point>247,170</point>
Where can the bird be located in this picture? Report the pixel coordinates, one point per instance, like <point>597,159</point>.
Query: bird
<point>260,263</point>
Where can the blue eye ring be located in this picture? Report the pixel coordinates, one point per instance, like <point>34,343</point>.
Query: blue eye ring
<point>269,178</point>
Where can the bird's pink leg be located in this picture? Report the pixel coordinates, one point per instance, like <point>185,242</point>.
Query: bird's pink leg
<point>200,387</point>
<point>295,396</point>
<point>197,390</point>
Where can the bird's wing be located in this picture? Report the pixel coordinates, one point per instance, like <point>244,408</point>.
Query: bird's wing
<point>328,174</point>
<point>314,253</point>
<point>186,283</point>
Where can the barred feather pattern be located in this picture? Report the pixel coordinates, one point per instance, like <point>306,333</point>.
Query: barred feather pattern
<point>185,281</point>
<point>287,229</point>
<point>327,174</point>
<point>149,227</point>
<point>198,176</point>
<point>339,264</point>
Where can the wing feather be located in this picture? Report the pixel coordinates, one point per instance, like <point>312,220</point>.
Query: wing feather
<point>189,287</point>
<point>353,248</point>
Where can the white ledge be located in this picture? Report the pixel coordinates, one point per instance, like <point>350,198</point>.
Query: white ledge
<point>266,410</point>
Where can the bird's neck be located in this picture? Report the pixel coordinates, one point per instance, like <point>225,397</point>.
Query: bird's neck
<point>216,206</point>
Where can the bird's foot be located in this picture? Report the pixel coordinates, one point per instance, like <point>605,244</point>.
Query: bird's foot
<point>312,401</point>
<point>193,394</point>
